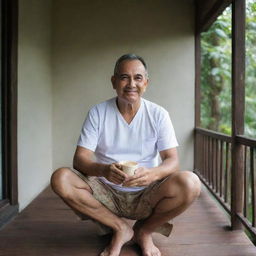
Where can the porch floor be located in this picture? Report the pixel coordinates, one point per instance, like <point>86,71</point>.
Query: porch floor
<point>48,227</point>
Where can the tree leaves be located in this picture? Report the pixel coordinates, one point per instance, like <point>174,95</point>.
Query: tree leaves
<point>216,73</point>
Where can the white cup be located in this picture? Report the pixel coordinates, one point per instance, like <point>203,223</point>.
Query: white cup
<point>129,167</point>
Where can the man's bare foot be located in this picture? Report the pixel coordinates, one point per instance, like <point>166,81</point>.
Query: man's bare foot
<point>145,241</point>
<point>119,238</point>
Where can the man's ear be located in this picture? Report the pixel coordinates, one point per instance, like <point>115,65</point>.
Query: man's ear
<point>113,81</point>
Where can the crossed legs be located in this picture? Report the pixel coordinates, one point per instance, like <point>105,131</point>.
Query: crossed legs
<point>173,196</point>
<point>78,195</point>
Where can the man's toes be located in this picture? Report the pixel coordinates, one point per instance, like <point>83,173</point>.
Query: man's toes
<point>105,252</point>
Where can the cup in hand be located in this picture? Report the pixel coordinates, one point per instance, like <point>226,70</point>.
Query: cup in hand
<point>128,167</point>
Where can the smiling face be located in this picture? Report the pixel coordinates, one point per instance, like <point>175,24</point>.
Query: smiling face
<point>130,81</point>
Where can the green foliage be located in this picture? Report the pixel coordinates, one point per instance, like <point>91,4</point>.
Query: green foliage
<point>250,71</point>
<point>216,73</point>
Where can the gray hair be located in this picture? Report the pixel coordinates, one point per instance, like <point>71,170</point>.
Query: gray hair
<point>130,56</point>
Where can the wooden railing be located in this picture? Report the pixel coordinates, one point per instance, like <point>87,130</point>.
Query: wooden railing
<point>213,160</point>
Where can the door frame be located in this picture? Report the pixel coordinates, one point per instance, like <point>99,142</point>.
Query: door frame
<point>9,15</point>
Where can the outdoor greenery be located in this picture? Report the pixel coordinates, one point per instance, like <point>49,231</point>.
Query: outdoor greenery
<point>216,68</point>
<point>250,75</point>
<point>216,73</point>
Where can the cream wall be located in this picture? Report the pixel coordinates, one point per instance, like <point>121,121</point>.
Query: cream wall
<point>88,36</point>
<point>34,99</point>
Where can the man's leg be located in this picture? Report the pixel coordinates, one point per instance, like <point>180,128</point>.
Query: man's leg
<point>78,195</point>
<point>172,197</point>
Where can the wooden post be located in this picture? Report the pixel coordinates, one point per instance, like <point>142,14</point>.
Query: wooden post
<point>197,88</point>
<point>238,94</point>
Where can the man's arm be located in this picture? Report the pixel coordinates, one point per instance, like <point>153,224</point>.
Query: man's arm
<point>145,176</point>
<point>170,163</point>
<point>83,162</point>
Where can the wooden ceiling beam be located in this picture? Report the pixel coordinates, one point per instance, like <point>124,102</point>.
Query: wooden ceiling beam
<point>207,11</point>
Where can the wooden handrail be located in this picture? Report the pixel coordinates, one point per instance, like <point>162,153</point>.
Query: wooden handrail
<point>213,134</point>
<point>241,139</point>
<point>213,166</point>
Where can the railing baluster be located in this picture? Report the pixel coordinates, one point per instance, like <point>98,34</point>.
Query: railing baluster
<point>197,148</point>
<point>212,161</point>
<point>253,182</point>
<point>226,172</point>
<point>208,160</point>
<point>201,154</point>
<point>221,168</point>
<point>204,151</point>
<point>204,157</point>
<point>229,172</point>
<point>217,166</point>
<point>246,185</point>
<point>214,165</point>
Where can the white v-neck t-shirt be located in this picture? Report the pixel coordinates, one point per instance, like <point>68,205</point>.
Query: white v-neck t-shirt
<point>112,139</point>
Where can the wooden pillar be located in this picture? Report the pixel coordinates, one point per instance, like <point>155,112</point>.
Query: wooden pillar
<point>197,86</point>
<point>238,96</point>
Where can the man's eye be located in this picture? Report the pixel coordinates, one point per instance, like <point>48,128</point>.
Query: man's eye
<point>138,78</point>
<point>123,77</point>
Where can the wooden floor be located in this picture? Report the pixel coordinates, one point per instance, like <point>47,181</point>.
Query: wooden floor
<point>47,227</point>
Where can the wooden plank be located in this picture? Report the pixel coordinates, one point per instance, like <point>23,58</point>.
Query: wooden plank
<point>48,227</point>
<point>209,187</point>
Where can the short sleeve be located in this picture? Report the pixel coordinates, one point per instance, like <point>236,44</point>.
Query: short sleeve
<point>89,134</point>
<point>166,134</point>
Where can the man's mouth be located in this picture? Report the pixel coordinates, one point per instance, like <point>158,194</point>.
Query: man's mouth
<point>129,91</point>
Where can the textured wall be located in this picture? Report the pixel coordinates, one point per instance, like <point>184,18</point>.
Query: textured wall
<point>34,99</point>
<point>88,36</point>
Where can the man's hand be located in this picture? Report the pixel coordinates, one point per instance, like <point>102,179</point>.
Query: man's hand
<point>114,174</point>
<point>142,177</point>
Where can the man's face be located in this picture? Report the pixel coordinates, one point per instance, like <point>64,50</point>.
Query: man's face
<point>131,81</point>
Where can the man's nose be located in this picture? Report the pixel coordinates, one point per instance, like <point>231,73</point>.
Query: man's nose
<point>132,83</point>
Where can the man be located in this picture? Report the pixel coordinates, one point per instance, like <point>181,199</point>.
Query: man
<point>127,127</point>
